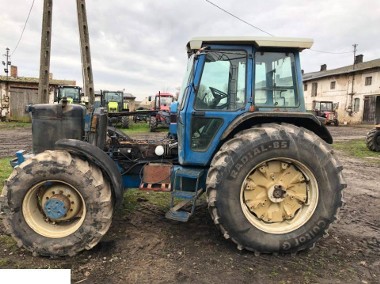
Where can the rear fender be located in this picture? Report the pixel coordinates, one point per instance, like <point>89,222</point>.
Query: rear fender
<point>98,157</point>
<point>305,120</point>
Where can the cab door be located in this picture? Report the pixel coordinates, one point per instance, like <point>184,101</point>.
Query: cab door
<point>219,94</point>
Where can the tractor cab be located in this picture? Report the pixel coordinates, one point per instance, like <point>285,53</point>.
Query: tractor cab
<point>112,100</point>
<point>72,93</point>
<point>162,101</point>
<point>232,83</point>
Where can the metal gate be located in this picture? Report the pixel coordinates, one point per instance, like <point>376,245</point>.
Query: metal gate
<point>19,98</point>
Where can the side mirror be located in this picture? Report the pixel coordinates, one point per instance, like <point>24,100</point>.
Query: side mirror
<point>150,98</point>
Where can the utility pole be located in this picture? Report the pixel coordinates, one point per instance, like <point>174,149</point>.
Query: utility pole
<point>88,80</point>
<point>6,64</point>
<point>354,45</point>
<point>43,86</point>
<point>350,110</point>
<point>353,69</point>
<point>7,61</point>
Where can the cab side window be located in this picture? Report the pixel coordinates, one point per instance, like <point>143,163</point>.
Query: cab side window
<point>275,80</point>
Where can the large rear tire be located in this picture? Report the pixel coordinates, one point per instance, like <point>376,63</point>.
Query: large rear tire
<point>58,204</point>
<point>274,189</point>
<point>373,140</point>
<point>125,122</point>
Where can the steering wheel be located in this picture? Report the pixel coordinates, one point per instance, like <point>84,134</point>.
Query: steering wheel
<point>218,96</point>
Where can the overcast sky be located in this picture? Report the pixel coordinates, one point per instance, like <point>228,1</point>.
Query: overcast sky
<point>139,46</point>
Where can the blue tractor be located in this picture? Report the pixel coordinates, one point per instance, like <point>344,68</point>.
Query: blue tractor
<point>239,132</point>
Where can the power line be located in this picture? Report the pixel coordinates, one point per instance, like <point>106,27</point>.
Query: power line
<point>330,52</point>
<point>229,13</point>
<point>238,18</point>
<point>26,21</point>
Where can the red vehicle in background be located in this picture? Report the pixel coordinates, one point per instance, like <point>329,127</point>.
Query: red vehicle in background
<point>327,110</point>
<point>161,103</point>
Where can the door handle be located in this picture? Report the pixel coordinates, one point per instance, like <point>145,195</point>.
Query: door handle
<point>198,113</point>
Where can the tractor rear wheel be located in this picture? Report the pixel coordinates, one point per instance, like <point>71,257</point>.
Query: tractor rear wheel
<point>58,204</point>
<point>274,189</point>
<point>373,140</point>
<point>125,122</point>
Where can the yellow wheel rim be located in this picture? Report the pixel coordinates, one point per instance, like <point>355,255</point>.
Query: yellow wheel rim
<point>34,215</point>
<point>279,195</point>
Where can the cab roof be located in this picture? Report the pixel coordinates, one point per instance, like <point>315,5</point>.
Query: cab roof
<point>285,42</point>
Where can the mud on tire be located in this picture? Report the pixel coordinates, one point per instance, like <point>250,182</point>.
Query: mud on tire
<point>59,175</point>
<point>274,189</point>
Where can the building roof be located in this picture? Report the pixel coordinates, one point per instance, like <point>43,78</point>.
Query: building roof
<point>129,96</point>
<point>286,42</point>
<point>36,80</point>
<point>343,70</point>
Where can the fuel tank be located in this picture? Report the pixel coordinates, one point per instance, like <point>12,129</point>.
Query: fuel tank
<point>51,122</point>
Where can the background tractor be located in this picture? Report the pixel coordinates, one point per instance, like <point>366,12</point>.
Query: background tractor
<point>161,117</point>
<point>113,102</point>
<point>241,135</point>
<point>327,110</point>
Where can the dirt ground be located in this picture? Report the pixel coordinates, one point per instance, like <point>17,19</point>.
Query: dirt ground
<point>144,247</point>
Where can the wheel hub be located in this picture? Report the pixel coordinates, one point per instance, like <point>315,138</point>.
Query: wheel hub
<point>56,207</point>
<point>275,191</point>
<point>60,203</point>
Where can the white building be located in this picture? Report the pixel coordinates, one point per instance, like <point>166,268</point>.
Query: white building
<point>355,88</point>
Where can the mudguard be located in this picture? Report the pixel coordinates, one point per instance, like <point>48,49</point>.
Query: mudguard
<point>100,158</point>
<point>300,119</point>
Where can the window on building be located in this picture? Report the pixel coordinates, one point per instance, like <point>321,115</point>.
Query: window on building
<point>332,85</point>
<point>368,81</point>
<point>356,104</point>
<point>314,88</point>
<point>305,87</point>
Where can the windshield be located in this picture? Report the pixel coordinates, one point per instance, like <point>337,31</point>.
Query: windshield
<point>72,93</point>
<point>113,97</point>
<point>186,80</point>
<point>275,79</point>
<point>326,106</point>
<point>166,101</point>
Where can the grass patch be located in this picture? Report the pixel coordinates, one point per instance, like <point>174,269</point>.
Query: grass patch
<point>12,125</point>
<point>137,127</point>
<point>5,169</point>
<point>141,127</point>
<point>4,262</point>
<point>357,148</point>
<point>8,243</point>
<point>134,198</point>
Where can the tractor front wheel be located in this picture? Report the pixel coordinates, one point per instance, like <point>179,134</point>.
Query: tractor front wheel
<point>153,124</point>
<point>274,189</point>
<point>58,204</point>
